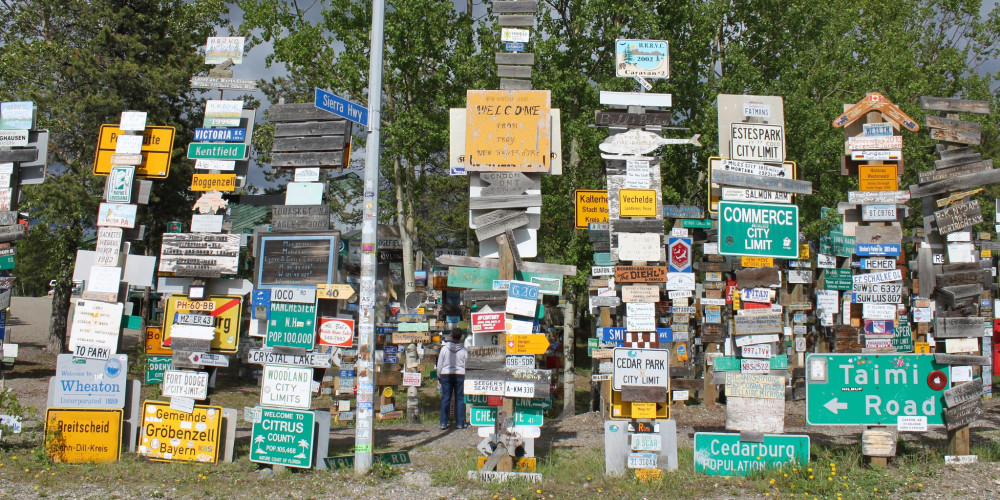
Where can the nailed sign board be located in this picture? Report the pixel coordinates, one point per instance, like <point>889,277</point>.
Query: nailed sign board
<point>171,435</point>
<point>746,385</point>
<point>508,130</point>
<point>224,312</point>
<point>877,178</point>
<point>296,260</point>
<point>199,254</point>
<point>647,367</point>
<point>871,213</point>
<point>157,147</point>
<point>640,274</point>
<point>642,58</point>
<point>116,215</point>
<point>757,142</point>
<point>864,143</point>
<point>759,323</point>
<point>185,384</point>
<point>94,332</point>
<point>89,383</point>
<point>591,206</point>
<point>300,218</point>
<point>109,242</point>
<point>268,357</point>
<point>760,229</point>
<point>283,437</point>
<point>286,386</point>
<point>724,454</point>
<point>958,217</point>
<point>83,435</point>
<point>291,325</point>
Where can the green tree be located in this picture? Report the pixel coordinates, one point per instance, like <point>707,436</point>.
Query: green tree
<point>83,63</point>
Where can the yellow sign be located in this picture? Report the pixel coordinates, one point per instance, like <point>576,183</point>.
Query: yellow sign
<point>921,347</point>
<point>154,342</point>
<point>157,145</point>
<point>591,206</point>
<point>986,254</point>
<point>877,178</point>
<point>75,435</point>
<point>508,130</point>
<point>643,410</point>
<point>176,436</point>
<point>334,291</point>
<point>756,261</point>
<point>804,251</point>
<point>624,410</point>
<point>647,475</point>
<point>213,182</point>
<point>224,309</point>
<point>637,202</point>
<point>526,343</point>
<point>525,464</point>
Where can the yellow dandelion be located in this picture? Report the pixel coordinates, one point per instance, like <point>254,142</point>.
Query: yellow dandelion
<point>876,489</point>
<point>810,469</point>
<point>772,481</point>
<point>794,470</point>
<point>810,477</point>
<point>920,485</point>
<point>786,475</point>
<point>830,479</point>
<point>538,491</point>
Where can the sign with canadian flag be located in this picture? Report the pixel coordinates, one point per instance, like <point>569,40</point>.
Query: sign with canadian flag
<point>484,322</point>
<point>679,251</point>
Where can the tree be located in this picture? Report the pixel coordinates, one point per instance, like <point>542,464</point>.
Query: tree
<point>82,63</point>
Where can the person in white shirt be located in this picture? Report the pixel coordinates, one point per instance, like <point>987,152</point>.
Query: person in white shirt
<point>451,373</point>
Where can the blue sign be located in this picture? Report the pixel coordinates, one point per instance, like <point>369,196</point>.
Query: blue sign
<point>877,249</point>
<point>390,358</point>
<point>220,134</point>
<point>3,324</point>
<point>521,290</point>
<point>390,349</point>
<point>346,373</point>
<point>260,298</point>
<point>341,107</point>
<point>514,47</point>
<point>384,330</point>
<point>613,334</point>
<point>665,334</point>
<point>879,327</point>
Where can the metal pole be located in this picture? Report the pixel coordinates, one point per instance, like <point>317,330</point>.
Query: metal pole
<point>363,438</point>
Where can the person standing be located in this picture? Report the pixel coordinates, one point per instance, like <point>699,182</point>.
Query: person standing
<point>451,373</point>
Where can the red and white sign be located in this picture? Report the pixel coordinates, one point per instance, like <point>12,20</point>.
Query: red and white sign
<point>680,254</point>
<point>336,332</point>
<point>488,322</point>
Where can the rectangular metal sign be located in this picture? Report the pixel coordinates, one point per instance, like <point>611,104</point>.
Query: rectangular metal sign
<point>170,435</point>
<point>760,229</point>
<point>725,454</point>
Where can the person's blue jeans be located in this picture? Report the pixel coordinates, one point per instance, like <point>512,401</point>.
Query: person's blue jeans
<point>453,386</point>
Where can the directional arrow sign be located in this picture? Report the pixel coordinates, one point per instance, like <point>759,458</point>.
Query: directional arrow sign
<point>532,343</point>
<point>873,389</point>
<point>334,291</point>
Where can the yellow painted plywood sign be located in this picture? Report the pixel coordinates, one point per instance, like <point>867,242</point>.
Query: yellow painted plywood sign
<point>175,436</point>
<point>157,144</point>
<point>508,130</point>
<point>591,206</point>
<point>877,178</point>
<point>226,310</point>
<point>154,342</point>
<point>637,202</point>
<point>757,261</point>
<point>213,182</point>
<point>76,435</point>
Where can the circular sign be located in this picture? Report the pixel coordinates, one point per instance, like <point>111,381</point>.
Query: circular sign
<point>937,380</point>
<point>336,332</point>
<point>387,392</point>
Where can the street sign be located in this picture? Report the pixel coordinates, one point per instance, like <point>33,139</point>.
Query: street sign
<point>866,389</point>
<point>169,435</point>
<point>220,134</point>
<point>646,367</point>
<point>157,146</point>
<point>185,384</point>
<point>155,368</point>
<point>283,437</point>
<point>591,206</point>
<point>267,357</point>
<point>291,325</point>
<point>89,383</point>
<point>642,58</point>
<point>762,229</point>
<point>679,255</point>
<point>286,386</point>
<point>877,178</point>
<point>531,343</point>
<point>334,291</point>
<point>347,461</point>
<point>213,182</point>
<point>119,184</point>
<point>341,107</point>
<point>216,151</point>
<point>224,312</point>
<point>725,454</point>
<point>83,435</point>
<point>757,142</point>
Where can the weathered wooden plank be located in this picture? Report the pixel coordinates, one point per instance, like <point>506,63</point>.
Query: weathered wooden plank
<point>960,277</point>
<point>506,71</point>
<point>296,160</point>
<point>963,414</point>
<point>531,267</point>
<point>480,295</point>
<point>682,384</point>
<point>308,144</point>
<point>950,124</point>
<point>496,227</point>
<point>619,119</point>
<point>958,217</point>
<point>964,169</point>
<point>514,6</point>
<point>959,328</point>
<point>961,359</point>
<point>298,112</point>
<point>636,226</point>
<point>757,277</point>
<point>956,136</point>
<point>492,202</point>
<point>305,129</point>
<point>516,21</point>
<point>644,394</point>
<point>957,160</point>
<point>739,179</point>
<point>512,84</point>
<point>954,105</point>
<point>955,183</point>
<point>18,155</point>
<point>520,59</point>
<point>944,151</point>
<point>682,371</point>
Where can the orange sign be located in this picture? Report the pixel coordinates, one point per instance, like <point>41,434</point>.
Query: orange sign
<point>591,206</point>
<point>508,130</point>
<point>154,342</point>
<point>746,261</point>
<point>877,178</point>
<point>213,182</point>
<point>529,343</point>
<point>76,435</point>
<point>157,144</point>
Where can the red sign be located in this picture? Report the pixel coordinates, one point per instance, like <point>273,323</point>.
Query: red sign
<point>730,290</point>
<point>489,322</point>
<point>680,255</point>
<point>336,332</point>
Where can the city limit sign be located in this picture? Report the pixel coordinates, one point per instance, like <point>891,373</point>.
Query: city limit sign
<point>758,229</point>
<point>869,389</point>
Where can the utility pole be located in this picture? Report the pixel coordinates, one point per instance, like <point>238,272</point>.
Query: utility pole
<point>363,439</point>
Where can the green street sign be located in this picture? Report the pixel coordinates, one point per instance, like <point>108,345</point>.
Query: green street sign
<point>835,243</point>
<point>347,461</point>
<point>732,363</point>
<point>524,415</point>
<point>529,416</point>
<point>482,415</point>
<point>838,279</point>
<point>478,278</point>
<point>291,325</point>
<point>873,389</point>
<point>6,262</point>
<point>723,454</point>
<point>699,223</point>
<point>902,338</point>
<point>216,151</point>
<point>603,259</point>
<point>283,437</point>
<point>543,403</point>
<point>157,365</point>
<point>759,229</point>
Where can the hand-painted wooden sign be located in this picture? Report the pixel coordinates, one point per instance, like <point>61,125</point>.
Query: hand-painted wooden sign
<point>508,130</point>
<point>958,217</point>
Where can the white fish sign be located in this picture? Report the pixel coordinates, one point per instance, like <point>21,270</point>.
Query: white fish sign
<point>637,142</point>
